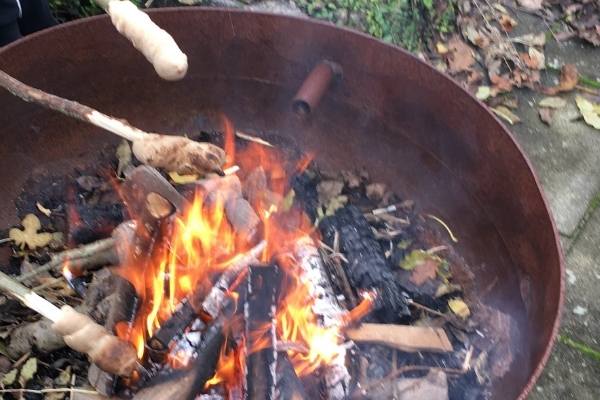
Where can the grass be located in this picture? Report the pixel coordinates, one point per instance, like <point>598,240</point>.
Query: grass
<point>580,346</point>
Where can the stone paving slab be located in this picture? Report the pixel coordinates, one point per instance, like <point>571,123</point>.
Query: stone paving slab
<point>565,155</point>
<point>571,375</point>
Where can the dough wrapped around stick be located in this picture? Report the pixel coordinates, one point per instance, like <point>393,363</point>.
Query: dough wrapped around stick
<point>156,44</point>
<point>83,334</point>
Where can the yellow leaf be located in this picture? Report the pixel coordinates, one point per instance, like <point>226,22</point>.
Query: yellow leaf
<point>9,378</point>
<point>589,111</point>
<point>28,370</point>
<point>29,236</point>
<point>459,308</point>
<point>182,179</point>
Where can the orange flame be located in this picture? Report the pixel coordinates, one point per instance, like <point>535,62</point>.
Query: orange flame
<point>202,244</point>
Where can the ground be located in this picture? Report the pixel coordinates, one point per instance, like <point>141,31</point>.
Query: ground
<point>565,155</point>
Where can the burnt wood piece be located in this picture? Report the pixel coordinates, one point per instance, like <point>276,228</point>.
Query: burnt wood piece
<point>209,307</point>
<point>90,223</point>
<point>263,284</point>
<point>186,384</point>
<point>289,386</point>
<point>144,180</point>
<point>367,267</point>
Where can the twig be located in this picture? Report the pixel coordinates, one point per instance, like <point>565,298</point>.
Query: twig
<point>56,260</point>
<point>587,90</point>
<point>446,227</point>
<point>429,310</point>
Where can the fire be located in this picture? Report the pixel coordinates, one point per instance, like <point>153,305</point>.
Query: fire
<point>201,244</point>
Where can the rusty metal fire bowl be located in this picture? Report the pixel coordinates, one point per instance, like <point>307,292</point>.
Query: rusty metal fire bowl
<point>409,124</point>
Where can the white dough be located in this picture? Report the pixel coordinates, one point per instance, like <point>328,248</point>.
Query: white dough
<point>153,42</point>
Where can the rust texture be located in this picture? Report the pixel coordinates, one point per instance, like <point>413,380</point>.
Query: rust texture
<point>408,124</point>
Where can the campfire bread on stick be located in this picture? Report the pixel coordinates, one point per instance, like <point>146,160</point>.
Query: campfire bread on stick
<point>80,332</point>
<point>173,153</point>
<point>154,43</point>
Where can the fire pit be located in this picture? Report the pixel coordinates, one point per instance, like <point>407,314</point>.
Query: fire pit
<point>407,125</point>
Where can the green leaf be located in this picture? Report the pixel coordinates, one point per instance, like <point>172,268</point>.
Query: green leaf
<point>28,371</point>
<point>414,259</point>
<point>428,4</point>
<point>9,378</point>
<point>288,201</point>
<point>404,244</point>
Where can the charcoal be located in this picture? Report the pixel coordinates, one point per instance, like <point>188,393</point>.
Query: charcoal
<point>367,267</point>
<point>90,223</point>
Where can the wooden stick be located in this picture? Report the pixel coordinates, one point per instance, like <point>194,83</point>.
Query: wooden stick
<point>402,337</point>
<point>173,153</point>
<point>79,331</point>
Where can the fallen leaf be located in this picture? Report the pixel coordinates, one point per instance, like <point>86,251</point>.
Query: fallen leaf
<point>28,370</point>
<point>531,39</point>
<point>64,378</point>
<point>507,115</point>
<point>183,179</point>
<point>329,189</point>
<point>404,244</point>
<point>588,111</point>
<point>288,201</point>
<point>424,272</point>
<point>441,48</point>
<point>29,236</point>
<point>9,378</point>
<point>569,76</point>
<point>483,92</point>
<point>447,288</point>
<point>90,183</point>
<point>534,59</point>
<point>43,209</point>
<point>334,204</point>
<point>459,307</point>
<point>417,258</point>
<point>532,5</point>
<point>375,191</point>
<point>351,179</point>
<point>123,154</point>
<point>552,102</point>
<point>507,22</point>
<point>460,55</point>
<point>546,114</point>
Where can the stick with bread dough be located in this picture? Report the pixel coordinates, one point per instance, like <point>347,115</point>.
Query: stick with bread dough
<point>153,42</point>
<point>173,153</point>
<point>79,331</point>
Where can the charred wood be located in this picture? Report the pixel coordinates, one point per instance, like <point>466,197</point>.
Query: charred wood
<point>186,384</point>
<point>144,180</point>
<point>209,307</point>
<point>367,268</point>
<point>259,311</point>
<point>289,386</point>
<point>90,223</point>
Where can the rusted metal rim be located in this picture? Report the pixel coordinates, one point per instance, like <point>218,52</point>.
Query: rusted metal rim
<point>534,375</point>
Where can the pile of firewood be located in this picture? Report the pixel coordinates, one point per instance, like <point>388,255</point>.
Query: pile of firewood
<point>382,276</point>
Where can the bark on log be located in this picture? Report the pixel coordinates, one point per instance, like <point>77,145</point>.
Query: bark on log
<point>289,386</point>
<point>186,384</point>
<point>259,311</point>
<point>367,267</point>
<point>144,180</point>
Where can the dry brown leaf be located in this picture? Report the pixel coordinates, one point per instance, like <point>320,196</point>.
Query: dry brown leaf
<point>375,191</point>
<point>569,76</point>
<point>589,111</point>
<point>531,39</point>
<point>441,48</point>
<point>329,190</point>
<point>460,56</point>
<point>534,59</point>
<point>424,272</point>
<point>507,22</point>
<point>552,102</point>
<point>29,236</point>
<point>532,5</point>
<point>507,115</point>
<point>546,114</point>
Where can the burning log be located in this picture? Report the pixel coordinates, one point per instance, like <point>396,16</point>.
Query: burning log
<point>228,191</point>
<point>187,383</point>
<point>327,309</point>
<point>256,190</point>
<point>79,331</point>
<point>210,307</point>
<point>402,337</point>
<point>289,386</point>
<point>93,223</point>
<point>144,180</point>
<point>173,153</point>
<point>259,312</point>
<point>367,267</point>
